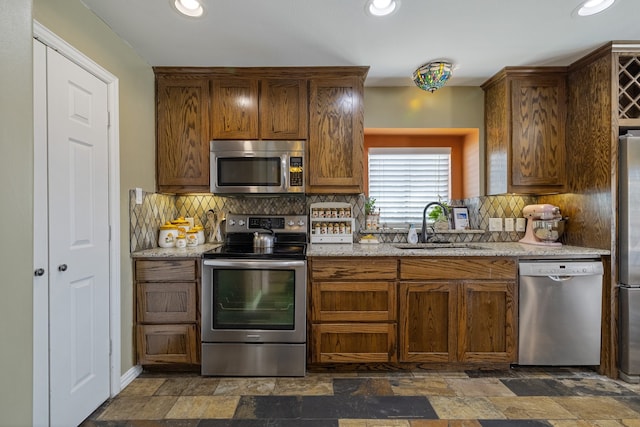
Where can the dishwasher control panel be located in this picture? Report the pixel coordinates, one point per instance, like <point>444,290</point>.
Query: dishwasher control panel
<point>560,268</point>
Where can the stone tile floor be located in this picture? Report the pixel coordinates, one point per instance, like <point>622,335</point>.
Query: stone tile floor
<point>529,397</point>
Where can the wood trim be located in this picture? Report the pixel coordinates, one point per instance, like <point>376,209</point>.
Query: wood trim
<point>265,72</point>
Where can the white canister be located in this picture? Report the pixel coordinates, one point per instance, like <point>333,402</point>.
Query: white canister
<point>181,241</point>
<point>200,232</point>
<point>192,238</point>
<point>167,235</point>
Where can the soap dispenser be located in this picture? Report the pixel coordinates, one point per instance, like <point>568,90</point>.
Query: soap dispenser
<point>412,237</point>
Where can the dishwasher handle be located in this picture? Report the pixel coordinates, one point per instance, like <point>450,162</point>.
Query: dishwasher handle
<point>561,278</point>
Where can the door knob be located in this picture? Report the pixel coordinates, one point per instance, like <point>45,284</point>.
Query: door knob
<point>62,267</point>
<point>39,272</point>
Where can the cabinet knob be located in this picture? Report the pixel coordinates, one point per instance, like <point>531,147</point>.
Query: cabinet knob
<point>62,267</point>
<point>39,272</point>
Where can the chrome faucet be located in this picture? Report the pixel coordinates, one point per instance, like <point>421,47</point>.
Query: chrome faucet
<point>445,211</point>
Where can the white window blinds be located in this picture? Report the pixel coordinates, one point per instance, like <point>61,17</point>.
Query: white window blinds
<point>404,180</point>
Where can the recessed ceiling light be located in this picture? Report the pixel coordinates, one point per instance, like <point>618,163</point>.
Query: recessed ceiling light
<point>191,8</point>
<point>381,7</point>
<point>591,7</point>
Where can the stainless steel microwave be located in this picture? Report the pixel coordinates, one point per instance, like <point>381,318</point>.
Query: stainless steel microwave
<point>258,167</point>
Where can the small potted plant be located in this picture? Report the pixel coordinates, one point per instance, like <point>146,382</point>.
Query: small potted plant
<point>438,217</point>
<point>372,216</point>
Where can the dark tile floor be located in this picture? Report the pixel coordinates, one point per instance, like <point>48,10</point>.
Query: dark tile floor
<point>529,397</point>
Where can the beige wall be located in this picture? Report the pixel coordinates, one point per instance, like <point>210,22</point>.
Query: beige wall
<point>79,27</point>
<point>16,175</point>
<point>410,107</point>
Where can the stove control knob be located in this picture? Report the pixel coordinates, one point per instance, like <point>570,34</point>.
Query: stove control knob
<point>291,223</point>
<point>241,222</point>
<point>232,222</point>
<point>301,223</point>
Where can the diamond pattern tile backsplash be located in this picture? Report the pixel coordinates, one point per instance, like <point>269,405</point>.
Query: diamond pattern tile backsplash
<point>156,209</point>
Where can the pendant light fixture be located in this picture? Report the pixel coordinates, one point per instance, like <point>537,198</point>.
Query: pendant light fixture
<point>432,75</point>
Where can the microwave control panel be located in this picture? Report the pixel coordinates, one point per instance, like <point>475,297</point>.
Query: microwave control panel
<point>295,172</point>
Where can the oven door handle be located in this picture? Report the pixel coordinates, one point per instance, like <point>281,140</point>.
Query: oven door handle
<point>253,263</point>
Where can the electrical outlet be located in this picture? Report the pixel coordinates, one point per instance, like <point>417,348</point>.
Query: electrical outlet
<point>508,224</point>
<point>138,196</point>
<point>495,224</point>
<point>520,224</point>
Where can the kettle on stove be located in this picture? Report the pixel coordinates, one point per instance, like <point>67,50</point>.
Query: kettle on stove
<point>263,240</point>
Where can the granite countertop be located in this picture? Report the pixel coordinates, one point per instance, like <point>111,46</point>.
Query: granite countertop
<point>394,250</point>
<point>455,249</point>
<point>189,252</point>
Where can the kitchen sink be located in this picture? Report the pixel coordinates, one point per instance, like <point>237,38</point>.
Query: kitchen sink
<point>433,246</point>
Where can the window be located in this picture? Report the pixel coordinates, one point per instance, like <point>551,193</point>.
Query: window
<point>404,180</point>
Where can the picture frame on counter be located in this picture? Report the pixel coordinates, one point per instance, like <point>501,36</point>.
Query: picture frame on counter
<point>460,216</point>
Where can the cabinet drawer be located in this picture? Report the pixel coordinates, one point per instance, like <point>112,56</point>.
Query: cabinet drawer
<point>353,342</point>
<point>354,268</point>
<point>353,301</point>
<point>166,270</point>
<point>166,302</point>
<point>160,344</point>
<point>457,268</point>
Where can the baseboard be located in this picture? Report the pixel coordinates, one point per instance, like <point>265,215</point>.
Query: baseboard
<point>129,376</point>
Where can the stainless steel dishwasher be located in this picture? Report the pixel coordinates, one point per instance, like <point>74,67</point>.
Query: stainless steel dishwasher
<point>560,310</point>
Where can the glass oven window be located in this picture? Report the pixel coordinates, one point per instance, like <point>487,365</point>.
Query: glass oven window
<point>253,299</point>
<point>250,171</point>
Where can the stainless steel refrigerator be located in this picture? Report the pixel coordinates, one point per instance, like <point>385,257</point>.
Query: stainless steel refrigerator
<point>629,256</point>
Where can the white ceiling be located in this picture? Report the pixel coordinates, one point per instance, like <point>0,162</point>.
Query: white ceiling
<point>479,37</point>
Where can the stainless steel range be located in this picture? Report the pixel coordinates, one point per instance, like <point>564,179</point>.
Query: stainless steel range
<point>254,298</point>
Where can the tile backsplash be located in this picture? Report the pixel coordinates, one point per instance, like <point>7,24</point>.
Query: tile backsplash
<point>156,209</point>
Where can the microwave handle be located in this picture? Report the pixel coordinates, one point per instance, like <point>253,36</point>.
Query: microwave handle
<point>285,171</point>
<point>244,263</point>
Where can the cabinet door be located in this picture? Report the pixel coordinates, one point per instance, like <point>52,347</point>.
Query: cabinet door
<point>488,322</point>
<point>283,109</point>
<point>353,301</point>
<point>428,322</point>
<point>353,342</point>
<point>182,134</point>
<point>537,136</point>
<point>160,344</point>
<point>336,135</point>
<point>166,302</point>
<point>234,108</point>
<point>166,270</point>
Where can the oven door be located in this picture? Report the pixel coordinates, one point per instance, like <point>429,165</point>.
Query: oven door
<point>260,301</point>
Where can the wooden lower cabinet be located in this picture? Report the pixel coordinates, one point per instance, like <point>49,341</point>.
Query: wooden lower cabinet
<point>166,344</point>
<point>352,310</point>
<point>167,315</point>
<point>428,319</point>
<point>461,310</point>
<point>353,342</point>
<point>488,322</point>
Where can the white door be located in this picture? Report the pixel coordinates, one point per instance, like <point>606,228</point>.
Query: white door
<point>78,227</point>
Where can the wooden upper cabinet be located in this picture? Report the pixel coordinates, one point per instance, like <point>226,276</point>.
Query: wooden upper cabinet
<point>336,135</point>
<point>234,108</point>
<point>283,109</point>
<point>525,119</point>
<point>251,108</point>
<point>182,133</point>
